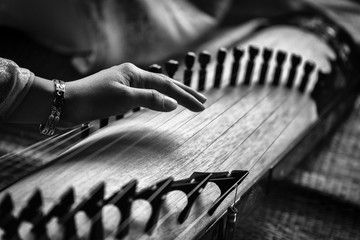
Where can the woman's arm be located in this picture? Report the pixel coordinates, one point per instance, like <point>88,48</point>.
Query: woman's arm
<point>113,91</point>
<point>14,85</point>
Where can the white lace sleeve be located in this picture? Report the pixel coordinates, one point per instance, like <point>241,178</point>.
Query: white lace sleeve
<point>14,85</point>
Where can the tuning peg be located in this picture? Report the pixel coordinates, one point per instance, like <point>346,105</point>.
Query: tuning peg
<point>155,196</point>
<point>309,67</point>
<point>155,68</point>
<point>319,91</point>
<point>253,52</point>
<point>8,222</point>
<point>280,60</point>
<point>189,64</point>
<point>123,200</point>
<point>237,55</point>
<point>192,187</point>
<point>295,62</point>
<point>266,55</point>
<point>219,66</point>
<point>171,67</point>
<point>204,60</point>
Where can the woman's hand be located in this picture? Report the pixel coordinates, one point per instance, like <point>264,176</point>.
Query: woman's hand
<point>110,92</point>
<point>117,90</point>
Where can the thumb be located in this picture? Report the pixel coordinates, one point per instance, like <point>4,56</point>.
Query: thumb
<point>153,99</point>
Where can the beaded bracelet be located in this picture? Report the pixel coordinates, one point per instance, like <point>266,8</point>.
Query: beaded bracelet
<point>49,128</point>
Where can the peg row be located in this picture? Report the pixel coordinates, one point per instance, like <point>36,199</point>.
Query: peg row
<point>64,211</point>
<point>267,59</point>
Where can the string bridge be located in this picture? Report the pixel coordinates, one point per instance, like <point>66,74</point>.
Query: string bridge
<point>65,209</point>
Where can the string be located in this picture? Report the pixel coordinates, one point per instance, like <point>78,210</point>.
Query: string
<point>174,116</point>
<point>259,158</point>
<point>35,147</point>
<point>7,156</point>
<point>211,72</point>
<point>72,154</point>
<point>231,189</point>
<point>27,167</point>
<point>235,196</point>
<point>159,222</point>
<point>164,218</point>
<point>108,145</point>
<point>240,144</point>
<point>181,125</point>
<point>250,134</point>
<point>12,167</point>
<point>236,122</point>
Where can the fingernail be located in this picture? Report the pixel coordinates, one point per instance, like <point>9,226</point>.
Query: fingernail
<point>169,103</point>
<point>203,98</point>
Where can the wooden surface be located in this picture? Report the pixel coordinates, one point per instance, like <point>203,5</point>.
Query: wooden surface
<point>245,129</point>
<point>242,128</point>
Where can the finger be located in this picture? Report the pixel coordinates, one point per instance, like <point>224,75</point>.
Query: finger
<point>192,91</point>
<point>152,99</point>
<point>187,97</point>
